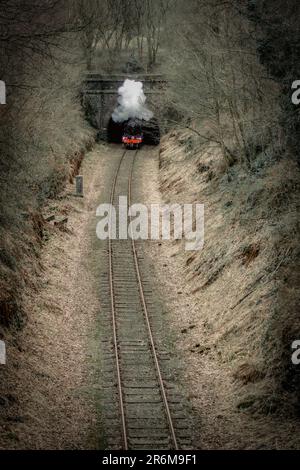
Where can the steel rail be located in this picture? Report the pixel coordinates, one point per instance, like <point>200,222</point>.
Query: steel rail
<point>113,311</point>
<point>146,315</point>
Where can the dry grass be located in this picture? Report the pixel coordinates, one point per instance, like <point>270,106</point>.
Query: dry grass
<point>49,388</point>
<point>235,316</point>
<point>43,137</point>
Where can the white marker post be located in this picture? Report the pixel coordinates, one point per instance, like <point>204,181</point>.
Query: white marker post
<point>79,185</point>
<point>2,353</point>
<point>2,92</point>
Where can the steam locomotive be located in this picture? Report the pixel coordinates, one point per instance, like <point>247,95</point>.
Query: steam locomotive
<point>132,135</point>
<point>134,132</point>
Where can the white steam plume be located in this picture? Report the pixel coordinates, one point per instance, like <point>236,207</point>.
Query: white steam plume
<point>131,102</point>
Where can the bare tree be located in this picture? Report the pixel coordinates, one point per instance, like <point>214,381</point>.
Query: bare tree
<point>218,79</point>
<point>155,17</point>
<point>89,14</point>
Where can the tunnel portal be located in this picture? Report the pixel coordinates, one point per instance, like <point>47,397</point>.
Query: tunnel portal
<point>100,96</point>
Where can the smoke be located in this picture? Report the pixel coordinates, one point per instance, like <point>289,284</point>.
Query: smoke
<point>131,102</point>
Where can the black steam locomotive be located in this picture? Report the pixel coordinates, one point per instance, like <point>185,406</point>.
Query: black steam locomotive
<point>134,132</point>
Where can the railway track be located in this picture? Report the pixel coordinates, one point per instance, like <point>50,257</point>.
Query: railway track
<point>144,410</point>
